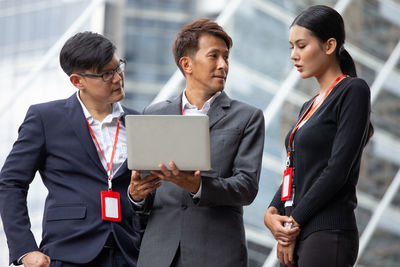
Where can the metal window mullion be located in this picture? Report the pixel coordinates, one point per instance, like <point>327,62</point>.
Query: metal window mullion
<point>373,222</point>
<point>385,72</point>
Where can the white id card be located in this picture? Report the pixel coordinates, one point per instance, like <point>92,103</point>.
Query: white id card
<point>110,206</point>
<point>287,184</point>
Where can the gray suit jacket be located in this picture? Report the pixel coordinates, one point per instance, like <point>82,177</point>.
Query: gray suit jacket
<point>209,230</point>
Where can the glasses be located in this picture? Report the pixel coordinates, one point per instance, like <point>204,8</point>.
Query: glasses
<point>109,75</point>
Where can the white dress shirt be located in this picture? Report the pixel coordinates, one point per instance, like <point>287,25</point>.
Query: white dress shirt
<point>189,109</point>
<point>192,110</point>
<point>105,135</point>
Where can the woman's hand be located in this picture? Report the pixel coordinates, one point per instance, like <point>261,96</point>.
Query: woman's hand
<point>286,254</point>
<point>276,224</point>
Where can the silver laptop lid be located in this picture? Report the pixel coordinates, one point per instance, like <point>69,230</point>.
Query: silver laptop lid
<point>154,139</point>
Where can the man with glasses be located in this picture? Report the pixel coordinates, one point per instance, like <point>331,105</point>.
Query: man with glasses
<point>78,145</point>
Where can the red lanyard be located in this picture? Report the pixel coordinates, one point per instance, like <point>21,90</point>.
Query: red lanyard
<point>312,108</point>
<point>109,165</point>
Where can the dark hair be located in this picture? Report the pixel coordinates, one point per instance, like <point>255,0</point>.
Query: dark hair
<point>186,42</point>
<point>86,51</point>
<point>324,23</point>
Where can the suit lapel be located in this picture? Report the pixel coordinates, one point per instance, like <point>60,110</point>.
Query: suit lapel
<point>78,123</point>
<point>219,108</point>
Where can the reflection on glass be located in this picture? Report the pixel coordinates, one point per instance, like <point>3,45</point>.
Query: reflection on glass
<point>259,42</point>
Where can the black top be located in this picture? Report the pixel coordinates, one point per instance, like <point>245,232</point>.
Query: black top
<point>326,159</point>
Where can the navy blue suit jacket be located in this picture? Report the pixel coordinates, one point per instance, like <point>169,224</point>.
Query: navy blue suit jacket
<point>54,139</point>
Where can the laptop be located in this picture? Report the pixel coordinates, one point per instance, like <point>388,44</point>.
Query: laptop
<point>154,139</point>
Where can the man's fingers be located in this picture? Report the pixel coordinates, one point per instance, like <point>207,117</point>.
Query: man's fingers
<point>166,173</point>
<point>146,191</point>
<point>141,191</point>
<point>157,173</point>
<point>137,187</point>
<point>175,171</point>
<point>141,186</point>
<point>135,175</point>
<point>172,165</point>
<point>149,179</point>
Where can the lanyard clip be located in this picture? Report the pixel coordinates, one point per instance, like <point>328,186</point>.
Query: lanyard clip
<point>289,157</point>
<point>109,184</point>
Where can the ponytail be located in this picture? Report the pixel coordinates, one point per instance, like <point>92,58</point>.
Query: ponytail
<point>371,131</point>
<point>346,62</point>
<point>348,67</point>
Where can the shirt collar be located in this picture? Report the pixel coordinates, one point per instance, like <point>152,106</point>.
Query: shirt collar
<point>117,111</point>
<point>207,104</point>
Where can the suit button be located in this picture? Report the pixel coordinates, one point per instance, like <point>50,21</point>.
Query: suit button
<point>184,207</point>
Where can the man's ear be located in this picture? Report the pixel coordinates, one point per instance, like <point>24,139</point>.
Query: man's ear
<point>330,46</point>
<point>77,81</point>
<point>186,65</point>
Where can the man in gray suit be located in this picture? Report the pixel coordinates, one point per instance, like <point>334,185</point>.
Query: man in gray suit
<point>196,219</point>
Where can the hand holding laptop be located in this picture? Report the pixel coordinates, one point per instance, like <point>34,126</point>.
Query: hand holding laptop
<point>187,180</point>
<point>140,187</point>
<point>164,145</point>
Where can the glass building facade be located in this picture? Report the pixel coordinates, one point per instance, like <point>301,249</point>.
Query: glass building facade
<point>149,29</point>
<point>260,73</point>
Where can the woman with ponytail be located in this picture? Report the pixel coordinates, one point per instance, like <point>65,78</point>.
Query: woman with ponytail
<point>312,213</point>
